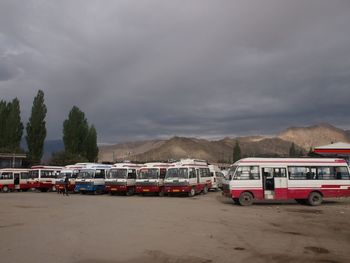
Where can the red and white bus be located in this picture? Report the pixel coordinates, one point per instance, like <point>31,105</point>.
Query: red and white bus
<point>307,180</point>
<point>121,178</point>
<point>70,171</point>
<point>43,178</point>
<point>12,179</point>
<point>151,178</point>
<point>189,176</point>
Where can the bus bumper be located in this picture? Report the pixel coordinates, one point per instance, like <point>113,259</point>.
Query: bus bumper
<point>147,189</point>
<point>88,188</point>
<point>177,189</point>
<point>116,188</point>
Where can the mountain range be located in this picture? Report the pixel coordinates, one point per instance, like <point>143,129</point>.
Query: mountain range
<point>304,138</point>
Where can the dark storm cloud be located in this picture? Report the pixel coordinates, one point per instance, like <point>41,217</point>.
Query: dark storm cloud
<point>142,69</point>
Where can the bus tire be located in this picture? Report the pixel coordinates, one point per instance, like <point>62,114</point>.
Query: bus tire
<point>192,192</point>
<point>236,201</point>
<point>205,189</point>
<point>301,201</point>
<point>246,199</point>
<point>315,198</point>
<point>130,191</point>
<point>44,190</point>
<point>161,192</point>
<point>5,189</point>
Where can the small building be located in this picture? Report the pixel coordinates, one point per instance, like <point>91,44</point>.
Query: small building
<point>337,150</point>
<point>11,160</point>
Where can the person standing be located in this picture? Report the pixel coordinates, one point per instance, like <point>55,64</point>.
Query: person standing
<point>66,183</point>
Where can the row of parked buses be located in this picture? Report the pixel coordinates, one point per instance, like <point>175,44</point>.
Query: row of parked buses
<point>307,180</point>
<point>188,176</point>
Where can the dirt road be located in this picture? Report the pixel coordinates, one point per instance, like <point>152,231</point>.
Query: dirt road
<point>46,227</point>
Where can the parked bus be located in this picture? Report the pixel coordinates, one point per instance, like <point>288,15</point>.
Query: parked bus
<point>217,177</point>
<point>12,179</point>
<point>43,178</point>
<point>307,180</point>
<point>189,177</point>
<point>151,178</point>
<point>91,178</point>
<point>122,178</point>
<point>72,172</point>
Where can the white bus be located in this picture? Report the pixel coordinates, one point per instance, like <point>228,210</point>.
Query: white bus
<point>70,171</point>
<point>12,179</point>
<point>122,178</point>
<point>91,178</point>
<point>307,180</point>
<point>189,176</point>
<point>43,178</point>
<point>151,178</point>
<point>217,177</point>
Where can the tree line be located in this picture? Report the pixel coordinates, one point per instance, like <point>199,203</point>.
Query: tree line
<point>79,138</point>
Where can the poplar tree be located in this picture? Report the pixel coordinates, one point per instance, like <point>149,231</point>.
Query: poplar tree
<point>236,152</point>
<point>3,119</point>
<point>292,151</point>
<point>11,127</point>
<point>75,132</point>
<point>36,129</point>
<point>14,126</point>
<point>91,145</point>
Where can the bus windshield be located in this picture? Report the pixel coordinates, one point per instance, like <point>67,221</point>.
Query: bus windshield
<point>149,173</point>
<point>86,174</point>
<point>177,173</point>
<point>117,174</point>
<point>231,172</point>
<point>64,175</point>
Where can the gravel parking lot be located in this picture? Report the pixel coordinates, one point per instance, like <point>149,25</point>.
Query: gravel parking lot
<point>47,227</point>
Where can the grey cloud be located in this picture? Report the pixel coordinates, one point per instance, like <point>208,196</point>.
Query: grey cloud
<point>159,68</point>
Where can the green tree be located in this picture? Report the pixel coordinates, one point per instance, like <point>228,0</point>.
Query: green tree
<point>75,132</point>
<point>36,129</point>
<point>4,112</point>
<point>292,151</point>
<point>91,145</point>
<point>11,127</point>
<point>14,126</point>
<point>236,152</point>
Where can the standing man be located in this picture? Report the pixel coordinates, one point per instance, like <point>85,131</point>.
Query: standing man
<point>66,183</point>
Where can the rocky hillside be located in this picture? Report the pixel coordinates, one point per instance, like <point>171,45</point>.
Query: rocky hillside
<point>316,135</point>
<point>221,150</point>
<point>180,147</point>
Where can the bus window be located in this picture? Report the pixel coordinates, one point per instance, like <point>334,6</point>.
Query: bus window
<point>342,173</point>
<point>99,173</point>
<point>162,173</point>
<point>48,174</point>
<point>34,174</point>
<point>247,173</point>
<point>6,176</point>
<point>24,175</point>
<point>132,174</point>
<point>325,173</point>
<point>297,173</point>
<point>192,173</point>
<point>279,172</point>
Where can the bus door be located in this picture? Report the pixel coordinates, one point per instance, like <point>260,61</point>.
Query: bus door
<point>275,182</point>
<point>16,180</point>
<point>280,182</point>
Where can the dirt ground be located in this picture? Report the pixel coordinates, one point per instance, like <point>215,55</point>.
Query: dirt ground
<point>47,227</point>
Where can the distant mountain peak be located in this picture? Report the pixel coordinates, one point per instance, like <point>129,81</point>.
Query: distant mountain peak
<point>315,135</point>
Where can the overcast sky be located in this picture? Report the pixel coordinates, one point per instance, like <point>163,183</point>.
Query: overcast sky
<point>149,69</point>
